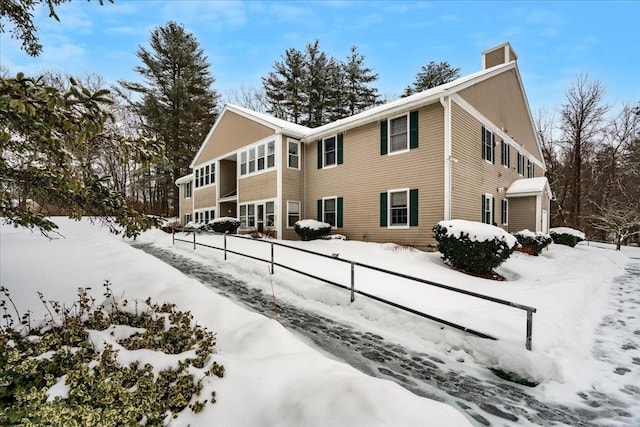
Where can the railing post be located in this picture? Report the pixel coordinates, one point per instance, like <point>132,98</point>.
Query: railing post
<point>271,257</point>
<point>353,282</point>
<point>173,236</point>
<point>529,328</point>
<point>225,246</point>
<point>194,240</point>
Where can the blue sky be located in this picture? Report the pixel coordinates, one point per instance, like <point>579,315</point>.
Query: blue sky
<point>554,41</point>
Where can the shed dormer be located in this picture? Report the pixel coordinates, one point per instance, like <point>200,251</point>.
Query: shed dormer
<point>501,54</point>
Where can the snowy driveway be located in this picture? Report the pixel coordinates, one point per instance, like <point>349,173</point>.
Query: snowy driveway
<point>486,399</point>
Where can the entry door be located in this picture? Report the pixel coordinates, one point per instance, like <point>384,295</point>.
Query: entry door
<point>260,218</point>
<point>545,224</point>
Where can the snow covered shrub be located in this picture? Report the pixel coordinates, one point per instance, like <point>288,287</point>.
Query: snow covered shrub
<point>566,236</point>
<point>81,364</point>
<point>224,224</point>
<point>532,243</point>
<point>472,246</point>
<point>195,226</point>
<point>310,229</point>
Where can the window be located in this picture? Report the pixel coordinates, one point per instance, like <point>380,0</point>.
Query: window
<point>257,158</point>
<point>504,214</point>
<point>520,164</point>
<point>206,175</point>
<point>329,151</point>
<point>399,208</point>
<point>271,154</point>
<point>187,190</point>
<point>270,214</point>
<point>530,167</point>
<point>293,213</point>
<point>243,216</point>
<point>205,215</point>
<point>243,163</point>
<point>398,134</point>
<point>329,211</point>
<point>399,211</point>
<point>187,219</point>
<point>251,216</point>
<point>294,155</point>
<point>488,205</point>
<point>252,160</point>
<point>505,154</point>
<point>488,145</point>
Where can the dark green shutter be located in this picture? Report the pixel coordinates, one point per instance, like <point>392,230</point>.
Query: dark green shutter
<point>383,209</point>
<point>533,170</point>
<point>484,155</point>
<point>493,211</point>
<point>413,207</point>
<point>383,137</point>
<point>483,205</point>
<point>413,129</point>
<point>340,148</point>
<point>320,211</point>
<point>339,213</point>
<point>320,154</point>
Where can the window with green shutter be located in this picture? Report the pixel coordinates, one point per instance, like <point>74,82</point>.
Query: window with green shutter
<point>488,208</point>
<point>383,209</point>
<point>383,137</point>
<point>399,208</point>
<point>340,148</point>
<point>413,130</point>
<point>413,207</point>
<point>340,209</point>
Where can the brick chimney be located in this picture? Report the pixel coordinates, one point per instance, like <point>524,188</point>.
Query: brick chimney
<point>501,54</point>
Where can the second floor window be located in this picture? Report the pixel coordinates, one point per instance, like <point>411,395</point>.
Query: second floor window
<point>187,190</point>
<point>488,145</point>
<point>257,158</point>
<point>205,175</point>
<point>398,134</point>
<point>505,154</point>
<point>530,170</point>
<point>294,155</point>
<point>329,151</point>
<point>520,164</point>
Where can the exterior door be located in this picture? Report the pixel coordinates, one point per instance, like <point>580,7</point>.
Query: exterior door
<point>545,224</point>
<point>260,218</point>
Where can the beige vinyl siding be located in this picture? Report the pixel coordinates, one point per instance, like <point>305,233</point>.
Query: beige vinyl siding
<point>471,175</point>
<point>522,213</point>
<point>365,174</point>
<point>232,132</point>
<point>185,203</point>
<point>292,188</point>
<point>494,58</point>
<point>500,100</point>
<point>257,187</point>
<point>204,197</point>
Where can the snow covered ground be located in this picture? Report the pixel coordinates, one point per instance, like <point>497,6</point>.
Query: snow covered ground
<point>271,377</point>
<point>287,382</point>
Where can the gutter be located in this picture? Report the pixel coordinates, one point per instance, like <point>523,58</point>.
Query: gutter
<point>448,157</point>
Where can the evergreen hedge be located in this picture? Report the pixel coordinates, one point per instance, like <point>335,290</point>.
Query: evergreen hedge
<point>470,254</point>
<point>531,242</point>
<point>566,236</point>
<point>309,229</point>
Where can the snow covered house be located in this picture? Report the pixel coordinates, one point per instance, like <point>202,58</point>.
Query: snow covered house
<point>463,150</point>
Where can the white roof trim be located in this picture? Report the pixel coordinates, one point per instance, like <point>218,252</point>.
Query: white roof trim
<point>184,179</point>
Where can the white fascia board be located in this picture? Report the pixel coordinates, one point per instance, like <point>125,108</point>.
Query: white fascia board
<point>184,179</point>
<point>409,103</point>
<point>494,128</point>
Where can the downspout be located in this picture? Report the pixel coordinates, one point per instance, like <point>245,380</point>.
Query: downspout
<point>448,158</point>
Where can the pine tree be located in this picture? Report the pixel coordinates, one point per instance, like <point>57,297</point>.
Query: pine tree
<point>358,94</point>
<point>178,103</point>
<point>284,87</point>
<point>432,75</point>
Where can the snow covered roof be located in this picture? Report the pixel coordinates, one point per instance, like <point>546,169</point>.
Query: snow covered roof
<point>184,179</point>
<point>418,99</point>
<point>529,187</point>
<point>270,121</point>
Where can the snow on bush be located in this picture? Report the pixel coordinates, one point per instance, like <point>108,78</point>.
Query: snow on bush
<point>310,229</point>
<point>473,247</point>
<point>225,224</point>
<point>566,236</point>
<point>532,242</point>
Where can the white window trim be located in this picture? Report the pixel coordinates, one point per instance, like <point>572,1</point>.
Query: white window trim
<point>299,213</point>
<point>293,141</point>
<point>185,190</point>
<point>519,171</point>
<point>254,147</point>
<point>335,198</point>
<point>406,150</point>
<point>504,203</point>
<point>491,160</point>
<point>504,144</point>
<point>203,210</point>
<point>201,168</point>
<point>398,227</point>
<point>276,212</point>
<point>490,198</point>
<point>335,164</point>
